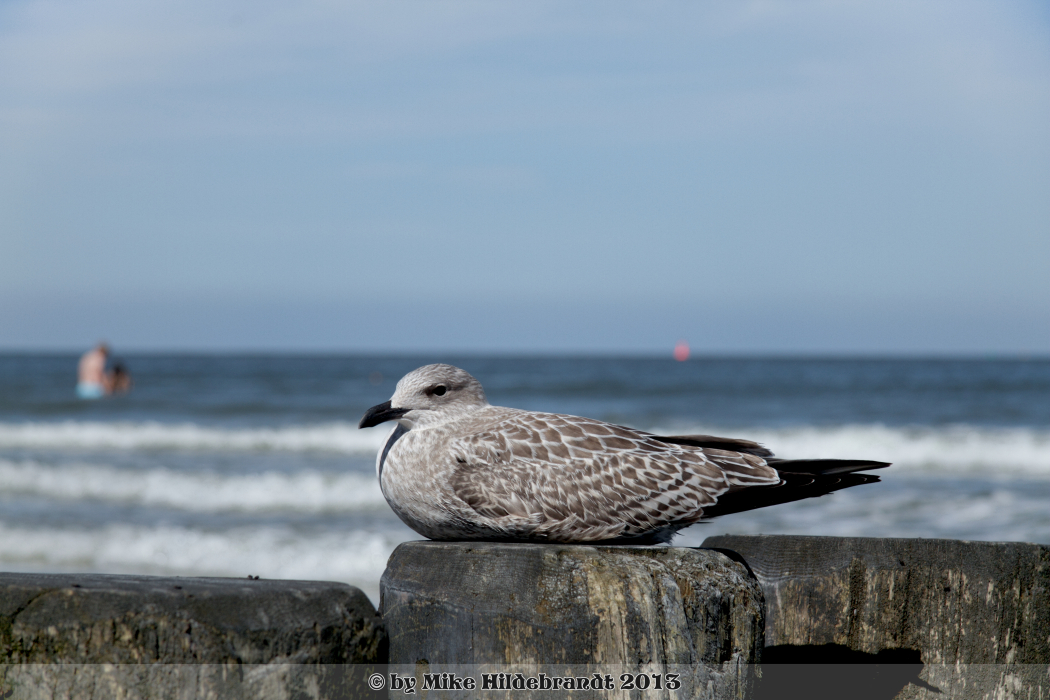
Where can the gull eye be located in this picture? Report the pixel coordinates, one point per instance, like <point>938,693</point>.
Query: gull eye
<point>439,390</point>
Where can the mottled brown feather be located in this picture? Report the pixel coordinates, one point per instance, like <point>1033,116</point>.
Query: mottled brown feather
<point>579,472</point>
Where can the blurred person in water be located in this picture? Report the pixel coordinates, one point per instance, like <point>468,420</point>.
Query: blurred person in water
<point>118,380</point>
<point>92,380</point>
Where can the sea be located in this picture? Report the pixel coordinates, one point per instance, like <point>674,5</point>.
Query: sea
<point>253,465</point>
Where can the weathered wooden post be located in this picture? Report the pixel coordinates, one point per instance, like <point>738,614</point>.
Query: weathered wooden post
<point>138,637</point>
<point>572,611</point>
<point>972,617</point>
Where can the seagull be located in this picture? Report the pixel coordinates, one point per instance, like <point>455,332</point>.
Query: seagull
<point>455,467</point>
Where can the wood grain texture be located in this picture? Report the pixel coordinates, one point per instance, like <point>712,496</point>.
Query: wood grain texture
<point>99,636</point>
<point>978,613</point>
<point>544,606</point>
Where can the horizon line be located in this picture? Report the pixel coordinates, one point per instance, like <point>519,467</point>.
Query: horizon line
<point>551,354</point>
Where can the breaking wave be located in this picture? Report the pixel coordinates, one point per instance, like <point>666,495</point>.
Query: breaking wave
<point>356,557</point>
<point>958,448</point>
<point>307,491</point>
<point>330,437</point>
<point>950,449</point>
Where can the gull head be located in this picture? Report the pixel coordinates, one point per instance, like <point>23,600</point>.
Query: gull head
<point>428,396</point>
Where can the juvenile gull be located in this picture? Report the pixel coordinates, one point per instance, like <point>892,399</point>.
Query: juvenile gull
<point>456,468</point>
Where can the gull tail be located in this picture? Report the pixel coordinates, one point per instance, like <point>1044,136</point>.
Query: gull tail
<point>800,479</point>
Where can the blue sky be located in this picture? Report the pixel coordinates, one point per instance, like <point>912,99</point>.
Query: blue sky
<point>762,177</point>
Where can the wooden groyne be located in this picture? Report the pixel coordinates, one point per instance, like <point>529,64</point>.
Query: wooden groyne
<point>553,608</point>
<point>972,619</point>
<point>761,617</point>
<point>98,637</point>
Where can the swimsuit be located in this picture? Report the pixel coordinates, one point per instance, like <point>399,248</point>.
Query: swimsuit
<point>90,390</point>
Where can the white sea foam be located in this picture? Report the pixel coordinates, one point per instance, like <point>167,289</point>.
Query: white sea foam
<point>938,508</point>
<point>956,449</point>
<point>271,552</point>
<point>951,449</point>
<point>331,437</point>
<point>1004,513</point>
<point>308,491</point>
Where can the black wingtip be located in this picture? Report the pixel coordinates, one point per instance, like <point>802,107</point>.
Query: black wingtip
<point>794,487</point>
<point>824,466</point>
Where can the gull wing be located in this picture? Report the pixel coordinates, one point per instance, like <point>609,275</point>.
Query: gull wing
<point>568,478</point>
<point>717,443</point>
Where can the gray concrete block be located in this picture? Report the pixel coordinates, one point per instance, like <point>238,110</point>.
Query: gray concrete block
<point>975,616</point>
<point>573,609</point>
<point>140,636</point>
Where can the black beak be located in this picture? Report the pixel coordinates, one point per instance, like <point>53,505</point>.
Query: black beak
<point>381,414</point>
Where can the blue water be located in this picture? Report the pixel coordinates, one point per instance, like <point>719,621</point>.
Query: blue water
<point>276,390</point>
<point>238,464</point>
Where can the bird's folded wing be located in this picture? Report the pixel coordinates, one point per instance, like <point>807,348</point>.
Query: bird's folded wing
<point>550,472</point>
<point>717,443</point>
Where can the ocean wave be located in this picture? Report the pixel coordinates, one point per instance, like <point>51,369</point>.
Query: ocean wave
<point>956,449</point>
<point>270,552</point>
<point>950,449</point>
<point>307,491</point>
<point>1007,511</point>
<point>92,435</point>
